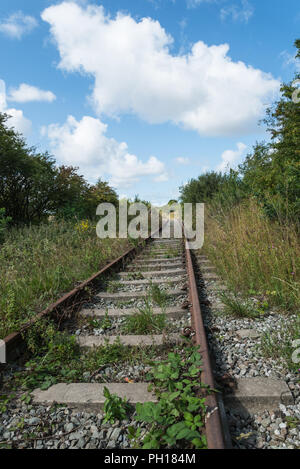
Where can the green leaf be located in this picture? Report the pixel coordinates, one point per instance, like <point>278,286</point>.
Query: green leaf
<point>188,416</point>
<point>175,429</point>
<point>187,434</point>
<point>174,395</point>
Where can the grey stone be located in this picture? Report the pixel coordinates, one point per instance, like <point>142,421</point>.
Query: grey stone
<point>266,422</point>
<point>81,443</point>
<point>34,421</point>
<point>248,334</point>
<point>69,427</point>
<point>115,434</point>
<point>75,436</point>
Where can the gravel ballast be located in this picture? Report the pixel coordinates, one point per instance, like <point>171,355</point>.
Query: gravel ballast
<point>41,427</point>
<point>235,346</point>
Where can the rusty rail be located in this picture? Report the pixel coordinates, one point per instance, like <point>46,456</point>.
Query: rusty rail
<point>14,342</point>
<point>213,425</point>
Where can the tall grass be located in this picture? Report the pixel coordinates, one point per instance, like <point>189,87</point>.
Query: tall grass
<point>255,255</point>
<point>39,263</point>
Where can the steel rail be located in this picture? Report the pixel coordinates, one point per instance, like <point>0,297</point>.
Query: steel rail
<point>14,342</point>
<point>213,426</point>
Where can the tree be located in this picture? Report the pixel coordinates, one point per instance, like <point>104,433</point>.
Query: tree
<point>71,193</point>
<point>201,189</point>
<point>172,202</point>
<point>273,170</point>
<point>27,178</point>
<point>101,192</point>
<point>32,187</point>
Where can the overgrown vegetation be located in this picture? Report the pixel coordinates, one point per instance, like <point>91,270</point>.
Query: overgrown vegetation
<point>4,221</point>
<point>243,308</point>
<point>177,419</point>
<point>115,408</point>
<point>47,229</point>
<point>171,253</point>
<point>253,213</point>
<point>157,295</point>
<point>256,256</point>
<point>55,356</point>
<point>144,321</point>
<point>135,276</point>
<point>39,263</point>
<point>113,286</point>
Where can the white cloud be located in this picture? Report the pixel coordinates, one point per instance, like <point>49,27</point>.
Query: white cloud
<point>162,177</point>
<point>157,3</point>
<point>182,160</point>
<point>17,25</point>
<point>196,3</point>
<point>290,60</point>
<point>230,157</point>
<point>242,12</point>
<point>85,144</point>
<point>26,93</point>
<point>135,72</point>
<point>17,119</point>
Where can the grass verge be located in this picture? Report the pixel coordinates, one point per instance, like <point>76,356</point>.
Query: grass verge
<point>39,263</point>
<point>254,255</point>
<point>242,308</point>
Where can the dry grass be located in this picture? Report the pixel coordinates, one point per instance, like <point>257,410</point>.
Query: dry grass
<point>256,256</point>
<point>39,263</point>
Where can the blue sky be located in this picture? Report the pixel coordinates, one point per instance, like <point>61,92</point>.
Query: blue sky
<point>145,93</point>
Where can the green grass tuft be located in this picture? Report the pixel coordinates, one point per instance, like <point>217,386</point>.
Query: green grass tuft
<point>145,321</point>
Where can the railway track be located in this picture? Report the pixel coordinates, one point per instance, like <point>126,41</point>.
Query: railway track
<point>146,302</point>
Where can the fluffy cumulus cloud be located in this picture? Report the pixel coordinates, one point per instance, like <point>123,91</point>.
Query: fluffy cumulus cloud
<point>231,157</point>
<point>17,119</point>
<point>84,143</point>
<point>27,93</point>
<point>135,72</point>
<point>17,25</point>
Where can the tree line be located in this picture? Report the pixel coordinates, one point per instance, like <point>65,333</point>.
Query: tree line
<point>32,187</point>
<point>270,173</point>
